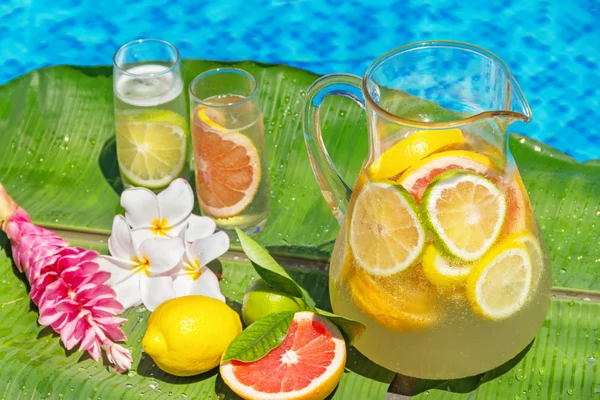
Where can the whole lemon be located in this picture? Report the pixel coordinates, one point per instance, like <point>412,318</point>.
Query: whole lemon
<point>261,300</point>
<point>188,335</point>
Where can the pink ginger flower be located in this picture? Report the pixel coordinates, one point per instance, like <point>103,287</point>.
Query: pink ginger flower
<point>67,285</point>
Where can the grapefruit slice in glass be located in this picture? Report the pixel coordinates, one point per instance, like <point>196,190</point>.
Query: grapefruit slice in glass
<point>308,364</point>
<point>227,168</point>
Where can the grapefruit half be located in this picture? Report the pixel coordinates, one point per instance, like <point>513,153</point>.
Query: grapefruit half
<point>308,364</point>
<point>227,168</point>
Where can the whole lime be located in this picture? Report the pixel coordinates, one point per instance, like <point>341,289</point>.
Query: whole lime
<point>261,300</point>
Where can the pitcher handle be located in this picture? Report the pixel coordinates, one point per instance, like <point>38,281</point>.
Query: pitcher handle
<point>335,190</point>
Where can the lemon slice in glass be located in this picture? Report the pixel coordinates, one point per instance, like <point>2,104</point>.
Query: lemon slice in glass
<point>386,235</point>
<point>466,212</point>
<point>500,283</point>
<point>151,153</point>
<point>444,273</point>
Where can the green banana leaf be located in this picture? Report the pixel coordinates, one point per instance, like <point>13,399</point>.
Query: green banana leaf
<point>58,162</point>
<point>563,359</point>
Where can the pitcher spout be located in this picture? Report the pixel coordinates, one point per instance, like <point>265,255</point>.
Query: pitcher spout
<point>517,103</point>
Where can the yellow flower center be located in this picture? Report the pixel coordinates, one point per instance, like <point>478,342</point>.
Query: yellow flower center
<point>194,270</point>
<point>160,227</point>
<point>142,265</point>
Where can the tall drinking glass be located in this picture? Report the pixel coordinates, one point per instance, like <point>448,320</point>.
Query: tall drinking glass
<point>150,114</point>
<point>232,180</point>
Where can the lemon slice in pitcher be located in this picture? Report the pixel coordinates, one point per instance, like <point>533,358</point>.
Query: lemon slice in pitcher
<point>401,302</point>
<point>386,235</point>
<point>466,212</point>
<point>535,255</point>
<point>500,284</point>
<point>441,272</point>
<point>411,150</point>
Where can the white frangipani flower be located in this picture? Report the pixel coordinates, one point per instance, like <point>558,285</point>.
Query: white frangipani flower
<point>202,246</point>
<point>141,274</point>
<point>160,250</point>
<point>162,215</point>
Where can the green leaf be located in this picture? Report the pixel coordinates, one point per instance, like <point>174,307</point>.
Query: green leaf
<point>278,278</point>
<point>271,271</point>
<point>351,329</point>
<point>257,340</point>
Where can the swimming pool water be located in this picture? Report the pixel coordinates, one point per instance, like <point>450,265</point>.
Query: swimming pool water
<point>552,47</point>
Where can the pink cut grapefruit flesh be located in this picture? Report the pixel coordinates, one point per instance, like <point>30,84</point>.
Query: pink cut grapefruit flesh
<point>227,169</point>
<point>518,213</point>
<point>308,364</point>
<point>417,178</point>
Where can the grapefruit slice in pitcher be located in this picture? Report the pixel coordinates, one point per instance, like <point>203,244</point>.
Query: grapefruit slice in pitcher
<point>518,213</point>
<point>308,364</point>
<point>417,178</point>
<point>227,168</point>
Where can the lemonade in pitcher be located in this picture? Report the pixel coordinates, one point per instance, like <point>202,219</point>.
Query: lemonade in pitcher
<point>441,261</point>
<point>439,253</point>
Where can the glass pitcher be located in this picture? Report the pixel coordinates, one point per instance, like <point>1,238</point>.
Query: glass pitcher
<point>439,253</point>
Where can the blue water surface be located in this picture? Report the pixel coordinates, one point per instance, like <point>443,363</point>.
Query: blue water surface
<point>553,47</point>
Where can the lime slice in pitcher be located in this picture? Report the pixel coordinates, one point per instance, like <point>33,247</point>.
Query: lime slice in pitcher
<point>501,282</point>
<point>466,212</point>
<point>386,235</point>
<point>150,154</point>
